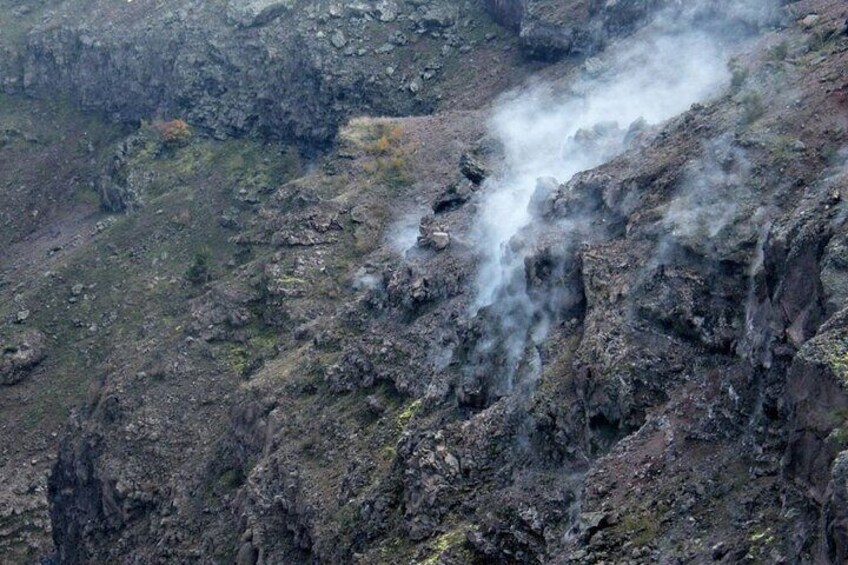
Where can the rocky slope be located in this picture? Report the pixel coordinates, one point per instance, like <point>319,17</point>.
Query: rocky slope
<point>279,354</point>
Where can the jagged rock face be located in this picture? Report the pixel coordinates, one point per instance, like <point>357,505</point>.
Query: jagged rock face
<point>676,373</point>
<point>509,13</point>
<point>78,489</point>
<point>216,86</point>
<point>550,29</point>
<point>282,70</point>
<point>835,521</point>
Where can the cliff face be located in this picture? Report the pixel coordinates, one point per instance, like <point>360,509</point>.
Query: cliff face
<point>289,71</point>
<point>364,357</point>
<point>550,30</point>
<point>508,13</point>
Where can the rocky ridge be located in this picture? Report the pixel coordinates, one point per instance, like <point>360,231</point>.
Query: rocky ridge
<point>292,71</point>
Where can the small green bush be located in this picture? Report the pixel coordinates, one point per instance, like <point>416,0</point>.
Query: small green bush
<point>738,75</point>
<point>752,108</point>
<point>394,172</point>
<point>199,272</point>
<point>779,52</point>
<point>385,142</point>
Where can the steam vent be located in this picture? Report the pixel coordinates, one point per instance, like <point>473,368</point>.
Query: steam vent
<point>423,282</point>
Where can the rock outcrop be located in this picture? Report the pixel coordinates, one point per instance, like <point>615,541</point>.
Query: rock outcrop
<point>20,354</point>
<point>550,30</point>
<point>289,71</point>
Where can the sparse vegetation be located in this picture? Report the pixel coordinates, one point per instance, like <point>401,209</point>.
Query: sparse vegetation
<point>231,479</point>
<point>238,359</point>
<point>387,453</point>
<point>760,543</point>
<point>388,138</point>
<point>738,75</point>
<point>839,436</point>
<point>394,172</point>
<point>779,52</point>
<point>752,108</point>
<point>445,542</point>
<point>642,529</point>
<point>822,37</point>
<point>383,141</point>
<point>173,133</point>
<point>783,149</point>
<point>17,20</point>
<point>839,362</point>
<point>199,272</point>
<point>406,415</point>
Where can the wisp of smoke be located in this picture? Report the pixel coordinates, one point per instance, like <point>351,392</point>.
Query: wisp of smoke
<point>649,78</point>
<point>653,80</point>
<point>710,197</point>
<point>403,234</point>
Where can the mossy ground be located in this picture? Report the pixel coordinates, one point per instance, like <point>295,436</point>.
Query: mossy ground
<point>132,268</point>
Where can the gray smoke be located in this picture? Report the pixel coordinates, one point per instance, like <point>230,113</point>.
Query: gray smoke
<point>647,79</point>
<point>653,80</point>
<point>403,234</point>
<point>714,195</point>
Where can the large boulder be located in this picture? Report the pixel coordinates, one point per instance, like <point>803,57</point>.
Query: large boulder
<point>20,354</point>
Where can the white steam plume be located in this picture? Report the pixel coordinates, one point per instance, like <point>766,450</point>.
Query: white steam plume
<point>649,78</point>
<point>653,79</point>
